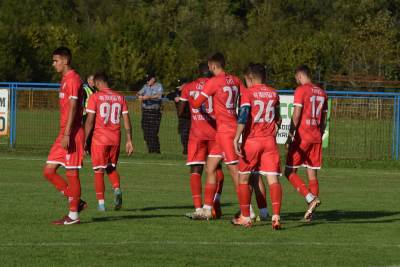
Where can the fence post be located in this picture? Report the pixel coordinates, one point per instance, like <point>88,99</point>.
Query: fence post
<point>397,125</point>
<point>13,115</point>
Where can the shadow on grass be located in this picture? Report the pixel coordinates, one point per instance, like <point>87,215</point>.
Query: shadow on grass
<point>343,216</point>
<point>189,207</point>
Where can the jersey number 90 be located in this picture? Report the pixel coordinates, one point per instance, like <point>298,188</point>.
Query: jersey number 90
<point>110,112</point>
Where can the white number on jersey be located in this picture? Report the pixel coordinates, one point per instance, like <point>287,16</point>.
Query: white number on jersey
<point>315,111</point>
<point>195,95</point>
<point>232,96</point>
<point>110,112</point>
<point>269,112</point>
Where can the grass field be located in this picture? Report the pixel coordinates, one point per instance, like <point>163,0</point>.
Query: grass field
<point>349,139</point>
<point>358,223</point>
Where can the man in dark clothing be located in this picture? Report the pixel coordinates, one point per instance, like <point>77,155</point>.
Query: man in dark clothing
<point>151,95</point>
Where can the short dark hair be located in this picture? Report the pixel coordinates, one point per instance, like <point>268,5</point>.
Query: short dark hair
<point>101,76</point>
<point>258,70</point>
<point>304,69</point>
<point>203,69</point>
<point>217,58</point>
<point>150,75</point>
<point>63,52</point>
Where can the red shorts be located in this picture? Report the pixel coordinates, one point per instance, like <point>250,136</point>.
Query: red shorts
<point>199,150</point>
<point>304,154</point>
<point>225,142</point>
<point>71,158</point>
<point>262,155</point>
<point>104,156</point>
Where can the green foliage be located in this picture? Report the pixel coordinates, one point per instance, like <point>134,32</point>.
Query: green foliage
<point>128,38</point>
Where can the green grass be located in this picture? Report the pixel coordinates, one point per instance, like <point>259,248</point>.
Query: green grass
<point>358,223</point>
<point>366,138</point>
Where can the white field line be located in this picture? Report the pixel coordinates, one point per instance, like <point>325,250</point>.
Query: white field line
<point>185,243</point>
<point>119,162</point>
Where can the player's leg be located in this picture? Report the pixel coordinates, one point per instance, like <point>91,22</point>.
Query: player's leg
<point>258,186</point>
<point>217,212</point>
<point>313,181</point>
<point>115,181</point>
<point>210,189</point>
<point>295,158</point>
<point>50,173</point>
<point>313,163</point>
<point>195,185</point>
<point>99,188</point>
<point>275,191</point>
<point>271,168</point>
<point>56,158</point>
<point>244,196</point>
<point>99,162</point>
<point>196,158</point>
<point>74,185</point>
<point>214,150</point>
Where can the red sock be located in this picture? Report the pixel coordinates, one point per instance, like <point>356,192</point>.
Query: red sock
<point>99,184</point>
<point>74,186</point>
<point>244,199</point>
<point>220,181</point>
<point>195,187</point>
<point>298,183</point>
<point>209,193</point>
<point>314,187</point>
<point>113,176</point>
<point>60,184</point>
<point>275,191</point>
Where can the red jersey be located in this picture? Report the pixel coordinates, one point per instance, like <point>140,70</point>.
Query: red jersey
<point>71,88</point>
<point>224,88</point>
<point>262,100</point>
<point>203,124</point>
<point>108,106</point>
<point>313,101</point>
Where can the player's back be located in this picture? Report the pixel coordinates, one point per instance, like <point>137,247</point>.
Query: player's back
<point>108,105</point>
<point>202,119</point>
<point>263,100</point>
<point>224,88</point>
<point>314,103</point>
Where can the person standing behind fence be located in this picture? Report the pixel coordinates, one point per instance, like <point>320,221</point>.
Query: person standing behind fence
<point>88,90</point>
<point>67,150</point>
<point>183,118</point>
<point>151,95</point>
<point>305,137</point>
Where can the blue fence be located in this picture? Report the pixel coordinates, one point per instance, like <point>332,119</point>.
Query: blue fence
<point>364,124</point>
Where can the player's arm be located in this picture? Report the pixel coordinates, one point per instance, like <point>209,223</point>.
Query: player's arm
<point>294,124</point>
<point>73,104</point>
<point>181,108</point>
<point>89,124</point>
<point>278,118</point>
<point>242,120</point>
<point>128,131</point>
<point>157,95</point>
<point>324,116</point>
<point>196,103</point>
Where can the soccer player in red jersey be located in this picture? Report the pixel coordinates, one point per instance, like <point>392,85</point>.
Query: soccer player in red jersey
<point>305,137</point>
<point>104,112</point>
<point>224,88</point>
<point>259,117</point>
<point>67,150</point>
<point>201,141</point>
